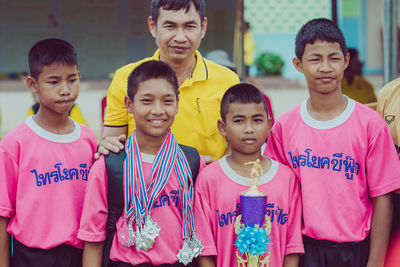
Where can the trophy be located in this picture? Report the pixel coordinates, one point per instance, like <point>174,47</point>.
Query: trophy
<point>253,226</point>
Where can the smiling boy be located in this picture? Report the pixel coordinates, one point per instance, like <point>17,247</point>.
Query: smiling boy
<point>157,182</point>
<point>339,150</point>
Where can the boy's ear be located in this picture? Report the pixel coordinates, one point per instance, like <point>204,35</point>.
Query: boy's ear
<point>128,104</point>
<point>152,26</point>
<point>221,127</point>
<point>31,83</point>
<point>297,64</point>
<point>346,60</point>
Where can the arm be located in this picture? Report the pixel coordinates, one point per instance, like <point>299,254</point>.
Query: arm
<point>206,261</point>
<point>291,260</point>
<point>111,140</point>
<point>92,254</point>
<point>380,229</point>
<point>4,243</point>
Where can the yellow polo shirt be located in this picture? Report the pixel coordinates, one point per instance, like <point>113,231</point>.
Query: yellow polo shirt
<point>199,104</point>
<point>389,108</point>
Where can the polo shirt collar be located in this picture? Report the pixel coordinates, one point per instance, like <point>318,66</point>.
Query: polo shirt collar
<point>200,72</point>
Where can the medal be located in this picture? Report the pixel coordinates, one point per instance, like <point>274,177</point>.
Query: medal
<point>191,249</point>
<point>139,200</point>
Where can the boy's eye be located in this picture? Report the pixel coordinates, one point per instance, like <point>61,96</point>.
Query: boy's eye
<point>146,101</point>
<point>258,120</point>
<point>313,59</point>
<point>191,26</point>
<point>169,101</point>
<point>52,82</point>
<point>238,120</point>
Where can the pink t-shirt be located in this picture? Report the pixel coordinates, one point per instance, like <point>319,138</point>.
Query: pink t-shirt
<point>166,212</point>
<point>217,193</point>
<point>341,164</point>
<point>43,177</point>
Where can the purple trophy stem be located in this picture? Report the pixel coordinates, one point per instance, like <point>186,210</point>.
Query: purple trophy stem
<point>252,209</point>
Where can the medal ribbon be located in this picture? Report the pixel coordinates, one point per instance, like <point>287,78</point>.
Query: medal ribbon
<point>139,200</point>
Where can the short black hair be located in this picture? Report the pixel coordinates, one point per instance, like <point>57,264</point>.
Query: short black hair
<point>50,51</point>
<point>319,29</point>
<point>176,5</point>
<point>243,93</point>
<point>152,69</point>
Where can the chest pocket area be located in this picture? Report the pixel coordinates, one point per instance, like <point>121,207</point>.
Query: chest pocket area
<point>206,116</point>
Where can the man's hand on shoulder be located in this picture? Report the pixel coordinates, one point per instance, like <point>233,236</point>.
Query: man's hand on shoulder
<point>110,143</point>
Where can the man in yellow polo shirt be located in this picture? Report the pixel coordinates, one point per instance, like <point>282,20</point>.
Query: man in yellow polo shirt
<point>178,27</point>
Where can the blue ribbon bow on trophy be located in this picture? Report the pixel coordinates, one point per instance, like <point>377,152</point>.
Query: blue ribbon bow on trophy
<point>253,234</point>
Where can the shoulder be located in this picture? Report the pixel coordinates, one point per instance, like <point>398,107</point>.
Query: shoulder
<point>89,133</point>
<point>390,90</point>
<point>216,71</point>
<point>210,172</point>
<point>367,114</point>
<point>289,115</point>
<point>20,133</point>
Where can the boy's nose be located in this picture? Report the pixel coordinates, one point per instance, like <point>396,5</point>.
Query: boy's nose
<point>64,90</point>
<point>157,108</point>
<point>249,128</point>
<point>325,66</point>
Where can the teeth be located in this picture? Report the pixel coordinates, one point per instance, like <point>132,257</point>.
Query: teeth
<point>157,121</point>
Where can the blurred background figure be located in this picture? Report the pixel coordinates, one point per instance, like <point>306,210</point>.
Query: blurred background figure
<point>248,47</point>
<point>353,84</point>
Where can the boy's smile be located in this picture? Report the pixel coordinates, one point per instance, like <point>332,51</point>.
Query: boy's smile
<point>154,108</point>
<point>323,64</point>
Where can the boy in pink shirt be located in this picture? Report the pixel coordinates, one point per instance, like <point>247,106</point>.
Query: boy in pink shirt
<point>156,226</point>
<point>246,125</point>
<point>342,154</point>
<point>44,166</point>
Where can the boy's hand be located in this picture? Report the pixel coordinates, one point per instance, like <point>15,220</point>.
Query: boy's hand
<point>4,243</point>
<point>207,159</point>
<point>109,143</point>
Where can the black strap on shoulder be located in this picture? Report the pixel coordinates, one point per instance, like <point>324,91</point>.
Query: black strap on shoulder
<point>115,182</point>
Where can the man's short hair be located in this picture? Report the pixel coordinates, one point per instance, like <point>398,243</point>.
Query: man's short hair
<point>176,5</point>
<point>319,29</point>
<point>152,69</point>
<point>50,51</point>
<point>243,93</point>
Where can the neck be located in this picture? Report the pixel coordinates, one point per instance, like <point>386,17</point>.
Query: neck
<point>183,68</point>
<point>148,144</point>
<point>326,107</point>
<point>54,123</point>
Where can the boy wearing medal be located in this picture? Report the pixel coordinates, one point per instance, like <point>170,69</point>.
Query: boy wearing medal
<point>246,126</point>
<point>44,165</point>
<point>343,156</point>
<point>157,226</point>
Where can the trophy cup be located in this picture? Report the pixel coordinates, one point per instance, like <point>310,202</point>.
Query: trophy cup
<point>253,226</point>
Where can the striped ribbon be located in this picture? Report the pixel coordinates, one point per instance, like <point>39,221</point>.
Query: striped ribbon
<point>139,200</point>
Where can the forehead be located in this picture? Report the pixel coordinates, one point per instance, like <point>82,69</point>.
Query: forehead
<point>156,87</point>
<point>179,16</point>
<point>246,109</point>
<point>58,69</point>
<point>322,48</point>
